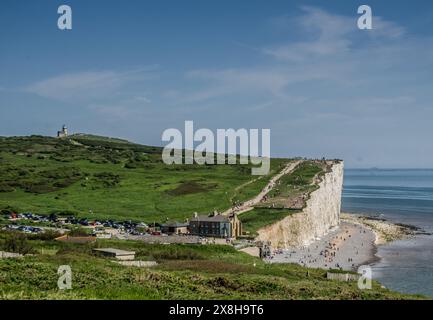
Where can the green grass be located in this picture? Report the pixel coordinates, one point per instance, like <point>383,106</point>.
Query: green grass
<point>115,179</point>
<point>184,272</point>
<point>299,181</point>
<point>120,180</point>
<point>261,217</point>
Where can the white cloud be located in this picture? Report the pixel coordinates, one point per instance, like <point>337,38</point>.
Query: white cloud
<point>342,89</point>
<point>230,81</point>
<point>389,29</point>
<point>331,49</point>
<point>339,88</point>
<point>87,85</point>
<point>329,34</point>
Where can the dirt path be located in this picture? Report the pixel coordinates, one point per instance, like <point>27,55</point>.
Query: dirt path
<point>249,204</point>
<point>242,186</point>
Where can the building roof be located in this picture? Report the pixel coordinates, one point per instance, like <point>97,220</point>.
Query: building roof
<point>67,238</point>
<point>116,252</point>
<point>175,225</point>
<point>215,218</point>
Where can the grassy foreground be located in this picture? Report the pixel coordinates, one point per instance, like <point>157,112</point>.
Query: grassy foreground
<point>183,272</point>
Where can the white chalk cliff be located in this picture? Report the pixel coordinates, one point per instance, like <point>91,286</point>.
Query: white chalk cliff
<point>321,213</point>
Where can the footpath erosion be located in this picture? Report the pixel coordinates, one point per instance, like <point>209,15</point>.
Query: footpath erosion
<point>249,205</point>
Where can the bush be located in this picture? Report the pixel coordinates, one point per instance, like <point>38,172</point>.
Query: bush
<point>78,232</point>
<point>18,243</point>
<point>9,210</point>
<point>6,188</point>
<point>107,179</point>
<point>131,165</point>
<point>73,250</point>
<point>65,213</point>
<point>173,253</point>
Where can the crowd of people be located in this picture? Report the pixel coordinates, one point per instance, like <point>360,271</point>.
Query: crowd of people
<point>344,248</point>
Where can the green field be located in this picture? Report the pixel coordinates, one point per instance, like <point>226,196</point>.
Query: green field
<point>183,272</point>
<point>107,178</point>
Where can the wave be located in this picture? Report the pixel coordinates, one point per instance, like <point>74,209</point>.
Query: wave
<point>386,192</point>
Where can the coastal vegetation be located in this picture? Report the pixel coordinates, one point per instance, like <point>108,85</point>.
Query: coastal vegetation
<point>261,217</point>
<point>302,181</point>
<point>183,272</point>
<point>106,178</point>
<point>289,196</point>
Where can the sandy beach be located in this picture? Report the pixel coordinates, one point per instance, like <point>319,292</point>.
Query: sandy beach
<point>352,244</point>
<point>346,247</point>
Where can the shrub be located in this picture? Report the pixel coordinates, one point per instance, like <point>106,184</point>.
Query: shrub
<point>65,213</point>
<point>18,243</point>
<point>174,253</point>
<point>6,188</point>
<point>78,232</point>
<point>9,210</point>
<point>131,165</point>
<point>73,250</point>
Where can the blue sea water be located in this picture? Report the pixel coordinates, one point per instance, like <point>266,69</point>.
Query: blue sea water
<point>401,196</point>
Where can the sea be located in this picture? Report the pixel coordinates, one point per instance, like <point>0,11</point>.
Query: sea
<point>400,196</point>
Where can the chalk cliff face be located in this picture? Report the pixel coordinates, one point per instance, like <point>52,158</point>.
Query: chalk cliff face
<point>322,212</point>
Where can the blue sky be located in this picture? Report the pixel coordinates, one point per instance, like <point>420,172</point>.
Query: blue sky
<point>132,69</point>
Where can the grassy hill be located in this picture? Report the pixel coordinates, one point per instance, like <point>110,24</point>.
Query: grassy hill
<point>106,178</point>
<point>120,180</point>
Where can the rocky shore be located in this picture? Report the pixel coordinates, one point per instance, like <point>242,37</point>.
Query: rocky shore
<point>384,230</point>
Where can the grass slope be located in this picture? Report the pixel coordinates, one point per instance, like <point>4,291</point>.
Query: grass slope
<point>261,217</point>
<point>184,272</point>
<point>299,182</point>
<point>115,179</point>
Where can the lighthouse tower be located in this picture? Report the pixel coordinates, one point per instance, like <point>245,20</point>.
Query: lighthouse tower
<point>63,133</point>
